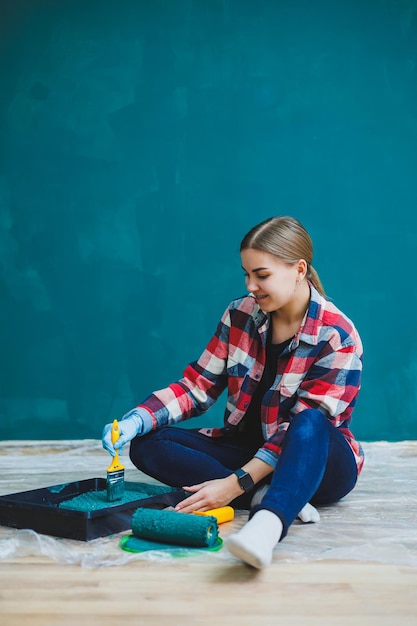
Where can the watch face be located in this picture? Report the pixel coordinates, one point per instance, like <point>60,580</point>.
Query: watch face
<point>245,480</point>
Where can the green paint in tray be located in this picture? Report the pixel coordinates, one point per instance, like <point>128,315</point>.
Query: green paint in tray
<point>96,500</point>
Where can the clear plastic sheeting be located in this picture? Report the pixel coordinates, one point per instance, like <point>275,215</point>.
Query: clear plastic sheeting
<point>376,522</point>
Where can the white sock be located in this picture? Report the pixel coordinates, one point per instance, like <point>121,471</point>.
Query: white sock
<point>309,514</point>
<point>255,542</point>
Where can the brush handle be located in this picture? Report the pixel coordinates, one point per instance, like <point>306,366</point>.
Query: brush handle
<point>115,434</point>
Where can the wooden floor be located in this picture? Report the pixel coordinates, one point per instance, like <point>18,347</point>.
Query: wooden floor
<point>38,591</point>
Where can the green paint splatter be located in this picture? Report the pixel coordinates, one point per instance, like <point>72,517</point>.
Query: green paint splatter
<point>57,488</point>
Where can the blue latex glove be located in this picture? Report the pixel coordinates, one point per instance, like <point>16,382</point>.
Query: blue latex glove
<point>130,426</point>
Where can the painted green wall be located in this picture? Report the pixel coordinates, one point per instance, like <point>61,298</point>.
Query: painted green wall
<point>139,140</point>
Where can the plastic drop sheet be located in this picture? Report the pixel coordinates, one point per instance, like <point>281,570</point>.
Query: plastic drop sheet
<point>376,522</point>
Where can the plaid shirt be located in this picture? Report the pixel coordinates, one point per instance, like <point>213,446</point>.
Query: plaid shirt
<point>320,369</point>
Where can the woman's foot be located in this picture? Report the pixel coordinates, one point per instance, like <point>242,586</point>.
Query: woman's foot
<point>307,514</point>
<point>255,542</point>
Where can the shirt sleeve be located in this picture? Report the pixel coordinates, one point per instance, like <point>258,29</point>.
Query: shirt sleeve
<point>332,385</point>
<point>202,383</point>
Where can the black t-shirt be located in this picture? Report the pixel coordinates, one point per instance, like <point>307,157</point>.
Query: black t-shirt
<point>249,429</point>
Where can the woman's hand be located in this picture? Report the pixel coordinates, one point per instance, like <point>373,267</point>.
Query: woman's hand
<point>211,494</point>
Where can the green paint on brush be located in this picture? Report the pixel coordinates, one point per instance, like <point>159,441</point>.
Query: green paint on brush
<point>96,500</point>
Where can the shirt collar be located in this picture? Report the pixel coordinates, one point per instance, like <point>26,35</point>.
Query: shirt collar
<point>261,321</point>
<point>310,326</point>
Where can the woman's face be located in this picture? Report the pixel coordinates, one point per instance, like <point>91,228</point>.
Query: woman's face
<point>270,280</point>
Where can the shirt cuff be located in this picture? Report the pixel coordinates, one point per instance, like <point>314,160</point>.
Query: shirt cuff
<point>267,457</point>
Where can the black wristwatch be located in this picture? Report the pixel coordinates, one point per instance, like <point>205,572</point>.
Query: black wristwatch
<point>245,480</point>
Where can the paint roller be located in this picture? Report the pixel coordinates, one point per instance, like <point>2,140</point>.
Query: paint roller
<point>171,527</point>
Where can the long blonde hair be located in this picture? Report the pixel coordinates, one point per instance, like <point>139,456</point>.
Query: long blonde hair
<point>286,238</point>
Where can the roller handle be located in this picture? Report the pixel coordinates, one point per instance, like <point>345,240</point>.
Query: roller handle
<point>222,514</point>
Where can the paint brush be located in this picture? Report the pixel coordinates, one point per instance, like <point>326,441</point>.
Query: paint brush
<point>115,471</point>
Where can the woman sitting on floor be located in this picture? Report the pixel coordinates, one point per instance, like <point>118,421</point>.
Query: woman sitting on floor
<point>291,362</point>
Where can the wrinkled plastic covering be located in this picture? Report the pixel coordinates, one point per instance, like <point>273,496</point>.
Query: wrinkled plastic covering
<point>376,522</point>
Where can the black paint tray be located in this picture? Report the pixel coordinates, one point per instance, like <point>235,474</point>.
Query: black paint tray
<point>39,510</point>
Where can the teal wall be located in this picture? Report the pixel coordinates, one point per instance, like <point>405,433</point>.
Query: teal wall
<point>141,139</point>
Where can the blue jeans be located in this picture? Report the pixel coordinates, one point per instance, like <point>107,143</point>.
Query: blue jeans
<point>182,457</point>
<point>316,463</point>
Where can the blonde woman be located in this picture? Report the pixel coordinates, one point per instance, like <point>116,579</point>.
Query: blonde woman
<point>291,363</point>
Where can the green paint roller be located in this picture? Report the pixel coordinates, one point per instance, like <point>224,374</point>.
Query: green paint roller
<point>153,529</point>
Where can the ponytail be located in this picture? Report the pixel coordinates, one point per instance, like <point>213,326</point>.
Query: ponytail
<point>313,277</point>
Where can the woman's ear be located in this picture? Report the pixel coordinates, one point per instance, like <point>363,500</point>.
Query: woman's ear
<point>302,268</point>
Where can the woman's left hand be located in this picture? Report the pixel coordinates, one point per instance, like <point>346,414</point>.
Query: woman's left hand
<point>211,494</point>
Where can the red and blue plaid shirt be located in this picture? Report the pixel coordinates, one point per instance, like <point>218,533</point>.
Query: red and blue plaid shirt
<point>320,369</point>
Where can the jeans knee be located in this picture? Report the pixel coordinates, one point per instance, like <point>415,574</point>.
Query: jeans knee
<point>309,422</point>
<point>135,451</point>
